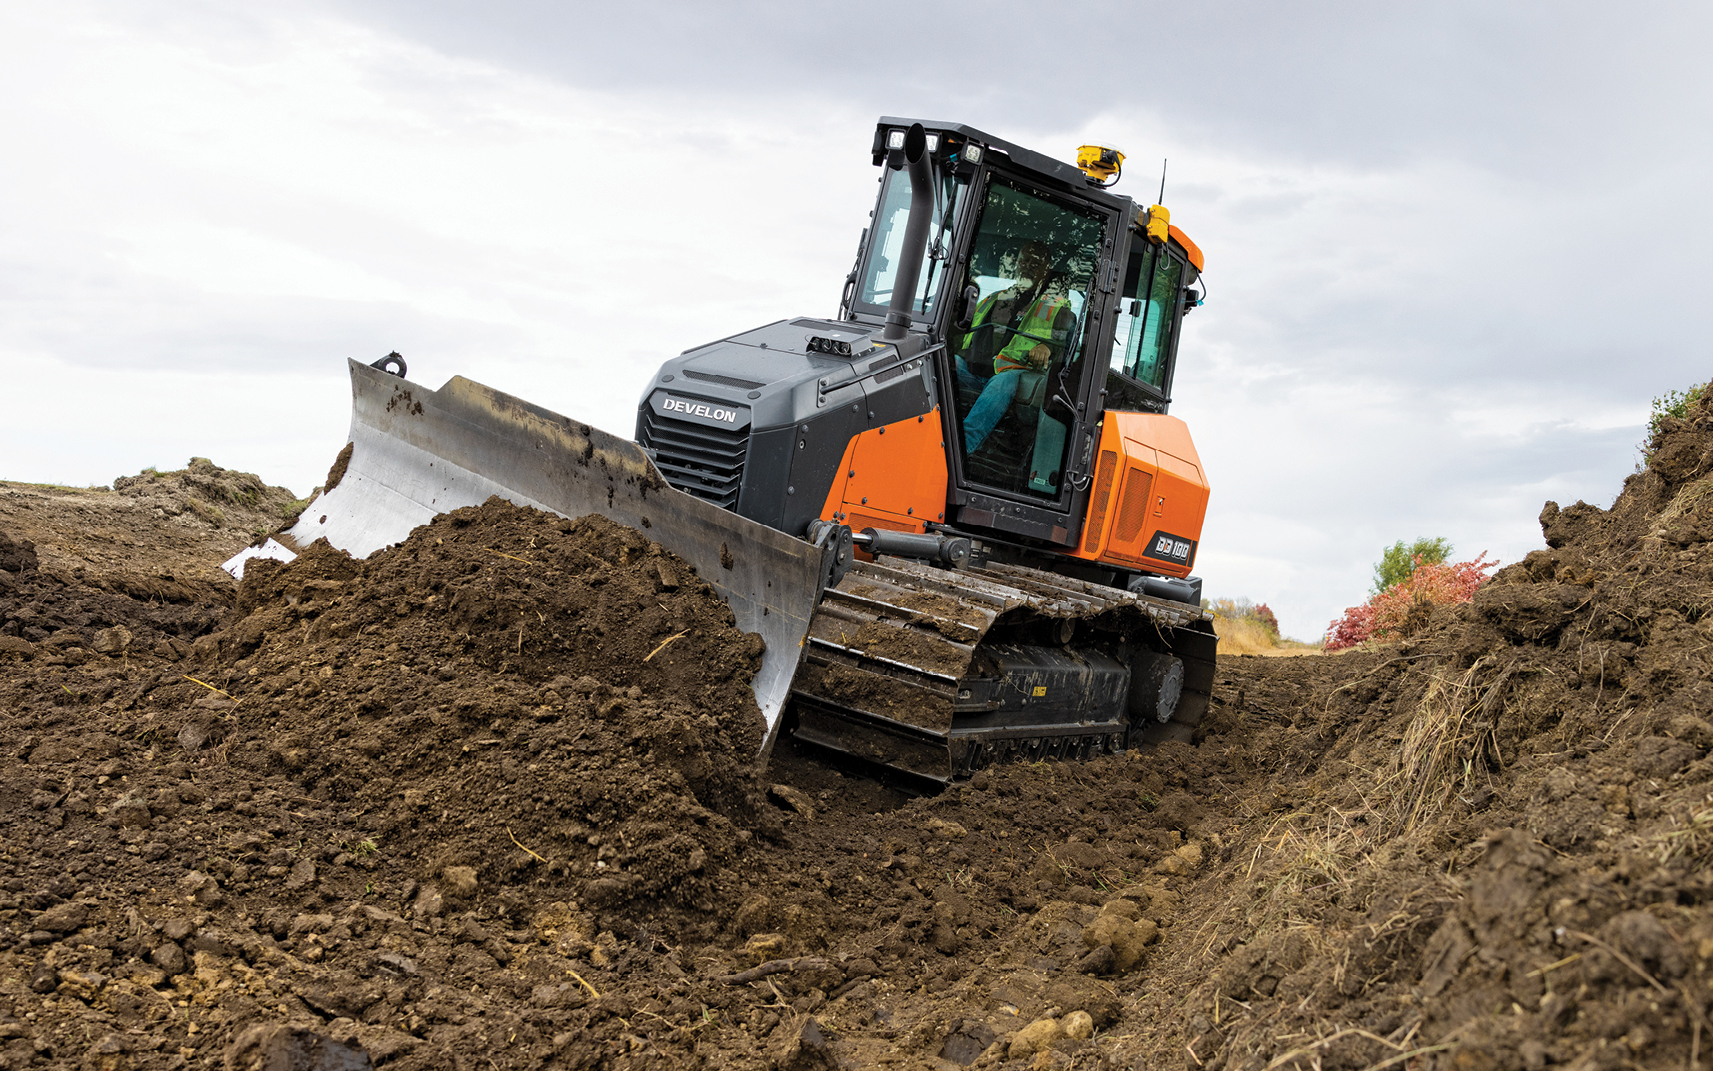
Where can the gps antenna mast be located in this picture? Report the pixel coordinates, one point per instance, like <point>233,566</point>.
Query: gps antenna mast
<point>1162,199</point>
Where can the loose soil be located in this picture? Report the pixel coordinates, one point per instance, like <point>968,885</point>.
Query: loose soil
<point>486,800</point>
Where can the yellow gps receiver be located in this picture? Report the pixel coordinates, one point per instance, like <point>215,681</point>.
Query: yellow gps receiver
<point>1100,162</point>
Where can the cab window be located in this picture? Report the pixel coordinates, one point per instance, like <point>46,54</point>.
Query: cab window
<point>1153,281</point>
<point>890,221</point>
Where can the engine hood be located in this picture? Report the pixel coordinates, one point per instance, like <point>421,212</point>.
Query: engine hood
<point>770,376</point>
<point>758,422</point>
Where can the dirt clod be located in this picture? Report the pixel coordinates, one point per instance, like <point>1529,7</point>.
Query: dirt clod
<point>1035,1037</point>
<point>278,1047</point>
<point>1078,1024</point>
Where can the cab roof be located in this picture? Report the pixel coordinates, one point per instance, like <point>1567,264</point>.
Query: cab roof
<point>1048,167</point>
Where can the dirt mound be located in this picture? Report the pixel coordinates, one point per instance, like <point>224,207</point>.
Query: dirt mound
<point>507,678</point>
<point>1487,846</point>
<point>508,717</point>
<point>180,524</point>
<point>209,491</point>
<point>64,620</point>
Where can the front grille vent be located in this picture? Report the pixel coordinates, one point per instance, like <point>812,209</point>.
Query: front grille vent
<point>724,381</point>
<point>698,460</point>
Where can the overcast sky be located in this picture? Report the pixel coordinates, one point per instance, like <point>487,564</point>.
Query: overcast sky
<point>1453,250</point>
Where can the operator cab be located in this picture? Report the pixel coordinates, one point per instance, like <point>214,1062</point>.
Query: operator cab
<point>1045,304</point>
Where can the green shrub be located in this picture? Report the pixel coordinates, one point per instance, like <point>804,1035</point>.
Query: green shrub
<point>1400,560</point>
<point>1672,403</point>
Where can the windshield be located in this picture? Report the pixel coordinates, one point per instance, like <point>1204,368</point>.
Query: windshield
<point>889,242</point>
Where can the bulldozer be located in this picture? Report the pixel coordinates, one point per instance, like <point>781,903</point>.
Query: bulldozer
<point>957,511</point>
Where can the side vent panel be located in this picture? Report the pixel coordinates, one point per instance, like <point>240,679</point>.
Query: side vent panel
<point>1102,495</point>
<point>1138,488</point>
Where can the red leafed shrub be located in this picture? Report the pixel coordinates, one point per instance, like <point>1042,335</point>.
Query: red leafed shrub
<point>1265,615</point>
<point>1384,616</point>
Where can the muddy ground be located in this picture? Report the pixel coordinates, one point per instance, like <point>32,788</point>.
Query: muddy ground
<point>483,801</point>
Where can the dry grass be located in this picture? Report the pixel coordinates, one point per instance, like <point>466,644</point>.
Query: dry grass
<point>1299,853</point>
<point>1690,836</point>
<point>1245,636</point>
<point>211,514</point>
<point>57,487</point>
<point>1688,501</point>
<point>1447,746</point>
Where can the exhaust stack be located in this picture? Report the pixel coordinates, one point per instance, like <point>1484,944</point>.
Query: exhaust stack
<point>915,155</point>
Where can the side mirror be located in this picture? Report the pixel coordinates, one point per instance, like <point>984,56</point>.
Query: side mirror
<point>966,314</point>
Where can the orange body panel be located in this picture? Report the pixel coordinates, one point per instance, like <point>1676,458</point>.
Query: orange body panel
<point>892,478</point>
<point>1148,486</point>
<point>1149,498</point>
<point>1191,250</point>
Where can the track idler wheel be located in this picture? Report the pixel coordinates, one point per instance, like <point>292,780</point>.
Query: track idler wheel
<point>1156,685</point>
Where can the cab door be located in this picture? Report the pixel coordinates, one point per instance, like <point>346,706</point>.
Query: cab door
<point>1036,289</point>
<point>1144,335</point>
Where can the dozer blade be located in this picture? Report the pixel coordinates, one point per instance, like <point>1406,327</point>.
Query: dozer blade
<point>939,673</point>
<point>416,453</point>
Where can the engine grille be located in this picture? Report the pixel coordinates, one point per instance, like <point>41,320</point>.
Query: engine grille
<point>698,460</point>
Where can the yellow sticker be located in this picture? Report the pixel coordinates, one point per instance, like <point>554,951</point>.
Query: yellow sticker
<point>1040,690</point>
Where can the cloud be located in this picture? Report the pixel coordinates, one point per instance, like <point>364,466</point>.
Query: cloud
<point>333,191</point>
<point>1523,86</point>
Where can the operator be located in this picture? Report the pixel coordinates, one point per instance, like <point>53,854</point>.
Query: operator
<point>1034,305</point>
